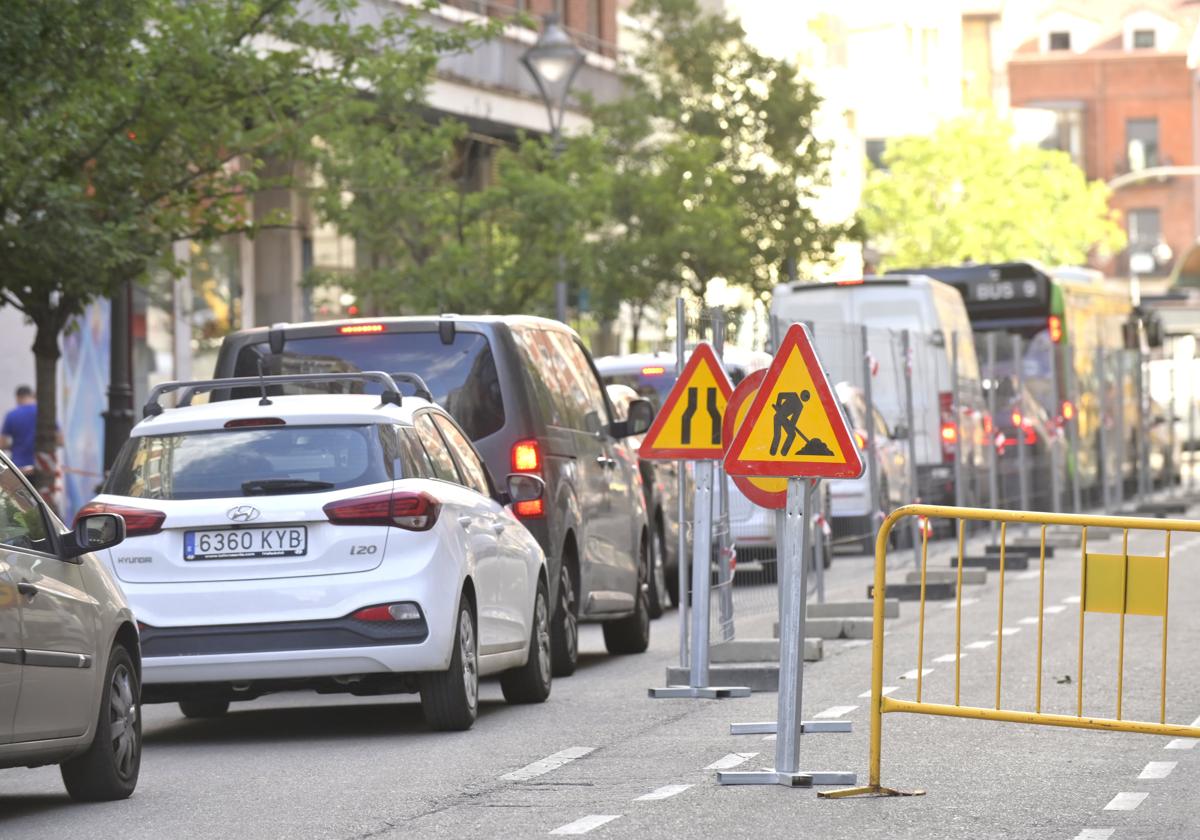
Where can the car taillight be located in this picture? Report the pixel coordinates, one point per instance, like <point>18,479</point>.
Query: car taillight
<point>949,428</point>
<point>1016,418</point>
<point>526,456</point>
<point>254,422</point>
<point>530,508</point>
<point>360,329</point>
<point>139,522</point>
<point>403,611</point>
<point>654,370</point>
<point>1068,410</point>
<point>402,509</point>
<point>1054,327</point>
<point>988,428</point>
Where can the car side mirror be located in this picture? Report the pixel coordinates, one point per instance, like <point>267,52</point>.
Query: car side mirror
<point>525,491</point>
<point>900,432</point>
<point>637,420</point>
<point>94,532</point>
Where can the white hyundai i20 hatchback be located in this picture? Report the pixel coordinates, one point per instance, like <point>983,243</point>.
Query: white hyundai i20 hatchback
<point>344,543</point>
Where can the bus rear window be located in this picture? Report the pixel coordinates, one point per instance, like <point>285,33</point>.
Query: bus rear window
<point>462,375</point>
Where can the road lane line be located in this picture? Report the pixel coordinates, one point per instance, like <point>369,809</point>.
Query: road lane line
<point>545,765</point>
<point>1095,834</point>
<point>731,760</point>
<point>981,645</point>
<point>835,711</point>
<point>1055,609</point>
<point>1126,801</point>
<point>912,675</point>
<point>1157,770</point>
<point>664,792</point>
<point>966,602</point>
<point>948,657</point>
<point>1196,722</point>
<point>1032,574</point>
<point>887,689</point>
<point>1181,744</point>
<point>585,824</point>
<point>1009,631</point>
<point>1071,599</point>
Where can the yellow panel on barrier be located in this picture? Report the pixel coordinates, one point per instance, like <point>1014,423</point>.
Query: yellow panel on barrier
<point>1138,587</point>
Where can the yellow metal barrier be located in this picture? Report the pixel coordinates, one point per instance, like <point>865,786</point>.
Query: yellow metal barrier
<point>1122,584</point>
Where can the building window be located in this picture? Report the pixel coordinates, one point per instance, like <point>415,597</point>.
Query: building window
<point>593,18</point>
<point>1141,144</point>
<point>1143,39</point>
<point>1060,40</point>
<point>875,149</point>
<point>1144,228</point>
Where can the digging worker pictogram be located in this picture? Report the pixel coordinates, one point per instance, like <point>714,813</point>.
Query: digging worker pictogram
<point>787,409</point>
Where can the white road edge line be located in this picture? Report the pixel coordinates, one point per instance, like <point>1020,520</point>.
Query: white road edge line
<point>835,711</point>
<point>664,792</point>
<point>545,765</point>
<point>1181,744</point>
<point>1095,834</point>
<point>887,689</point>
<point>585,824</point>
<point>731,760</point>
<point>1126,801</point>
<point>1157,770</point>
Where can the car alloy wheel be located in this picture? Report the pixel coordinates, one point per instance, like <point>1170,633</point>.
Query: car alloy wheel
<point>659,599</point>
<point>123,715</point>
<point>470,666</point>
<point>542,617</point>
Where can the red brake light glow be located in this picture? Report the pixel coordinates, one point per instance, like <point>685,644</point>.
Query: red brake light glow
<point>139,522</point>
<point>857,282</point>
<point>526,456</point>
<point>251,422</point>
<point>949,433</point>
<point>402,509</point>
<point>360,329</point>
<point>654,370</point>
<point>1068,410</point>
<point>530,508</point>
<point>1054,326</point>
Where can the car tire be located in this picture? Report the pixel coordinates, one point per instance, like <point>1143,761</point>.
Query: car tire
<point>450,698</point>
<point>564,634</point>
<point>200,708</point>
<point>108,770</point>
<point>659,596</point>
<point>531,682</point>
<point>632,633</point>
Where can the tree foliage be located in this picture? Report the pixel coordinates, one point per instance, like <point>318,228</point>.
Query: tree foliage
<point>969,191</point>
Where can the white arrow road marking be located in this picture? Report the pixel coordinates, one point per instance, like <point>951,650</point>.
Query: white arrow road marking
<point>664,792</point>
<point>1126,801</point>
<point>731,760</point>
<point>1157,770</point>
<point>835,711</point>
<point>545,765</point>
<point>585,824</point>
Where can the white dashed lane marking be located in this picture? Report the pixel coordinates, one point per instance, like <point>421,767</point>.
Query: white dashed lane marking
<point>1157,770</point>
<point>1095,834</point>
<point>966,602</point>
<point>585,824</point>
<point>664,792</point>
<point>1126,801</point>
<point>1029,619</point>
<point>1181,744</point>
<point>887,689</point>
<point>545,765</point>
<point>982,645</point>
<point>1072,599</point>
<point>948,657</point>
<point>731,760</point>
<point>836,711</point>
<point>1055,610</point>
<point>1009,631</point>
<point>912,675</point>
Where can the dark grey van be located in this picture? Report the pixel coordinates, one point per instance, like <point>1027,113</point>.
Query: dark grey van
<point>525,390</point>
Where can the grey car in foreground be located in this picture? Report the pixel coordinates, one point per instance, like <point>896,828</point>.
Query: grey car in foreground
<point>69,661</point>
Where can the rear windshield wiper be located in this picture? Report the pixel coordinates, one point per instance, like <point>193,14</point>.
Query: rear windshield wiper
<point>273,486</point>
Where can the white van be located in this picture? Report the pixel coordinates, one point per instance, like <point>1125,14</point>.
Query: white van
<point>934,314</point>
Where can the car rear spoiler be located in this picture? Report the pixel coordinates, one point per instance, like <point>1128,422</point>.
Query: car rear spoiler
<point>391,393</point>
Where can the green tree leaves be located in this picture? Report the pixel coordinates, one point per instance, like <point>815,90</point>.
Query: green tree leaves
<point>969,191</point>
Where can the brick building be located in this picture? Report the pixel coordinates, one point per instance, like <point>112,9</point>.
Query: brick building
<point>1119,92</point>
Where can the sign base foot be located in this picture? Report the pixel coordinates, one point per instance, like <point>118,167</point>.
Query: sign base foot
<point>808,778</point>
<point>808,727</point>
<point>706,693</point>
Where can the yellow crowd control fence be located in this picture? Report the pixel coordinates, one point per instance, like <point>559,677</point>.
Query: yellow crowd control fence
<point>1122,583</point>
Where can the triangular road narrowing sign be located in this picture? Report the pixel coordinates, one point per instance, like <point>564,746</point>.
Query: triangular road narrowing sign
<point>794,426</point>
<point>688,426</point>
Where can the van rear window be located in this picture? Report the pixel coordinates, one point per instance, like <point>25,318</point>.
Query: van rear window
<point>462,375</point>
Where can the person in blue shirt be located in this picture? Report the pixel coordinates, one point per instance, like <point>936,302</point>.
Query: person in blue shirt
<point>20,427</point>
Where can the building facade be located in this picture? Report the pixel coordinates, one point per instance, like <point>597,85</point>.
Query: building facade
<point>1118,92</point>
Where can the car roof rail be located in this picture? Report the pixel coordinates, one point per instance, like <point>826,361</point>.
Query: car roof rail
<point>420,389</point>
<point>152,408</point>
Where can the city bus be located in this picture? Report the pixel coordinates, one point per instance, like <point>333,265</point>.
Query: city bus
<point>1066,318</point>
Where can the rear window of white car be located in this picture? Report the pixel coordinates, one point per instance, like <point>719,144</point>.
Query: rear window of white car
<point>246,462</point>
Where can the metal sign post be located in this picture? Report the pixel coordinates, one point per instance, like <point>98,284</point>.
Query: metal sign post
<point>724,542</point>
<point>797,537</point>
<point>681,482</point>
<point>872,462</point>
<point>910,416</point>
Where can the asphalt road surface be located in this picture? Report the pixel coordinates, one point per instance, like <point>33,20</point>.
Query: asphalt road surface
<point>601,758</point>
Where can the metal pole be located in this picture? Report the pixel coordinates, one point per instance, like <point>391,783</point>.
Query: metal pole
<point>1171,437</point>
<point>993,458</point>
<point>1055,430</point>
<point>818,548</point>
<point>1072,427</point>
<point>701,555</point>
<point>681,485</point>
<point>791,633</point>
<point>1103,470</point>
<point>1022,455</point>
<point>119,418</point>
<point>1122,448</point>
<point>872,466</point>
<point>957,409</point>
<point>723,533</point>
<point>1145,482</point>
<point>909,416</point>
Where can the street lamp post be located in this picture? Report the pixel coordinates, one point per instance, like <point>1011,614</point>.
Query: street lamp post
<point>553,62</point>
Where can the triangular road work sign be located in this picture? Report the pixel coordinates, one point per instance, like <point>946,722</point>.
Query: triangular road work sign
<point>688,426</point>
<point>794,426</point>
